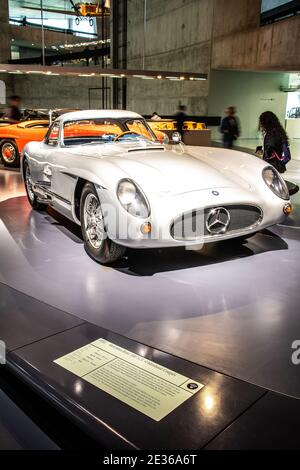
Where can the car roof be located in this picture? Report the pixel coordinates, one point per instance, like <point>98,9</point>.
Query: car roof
<point>99,114</point>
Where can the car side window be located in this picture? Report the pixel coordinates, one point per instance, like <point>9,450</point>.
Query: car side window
<point>52,135</point>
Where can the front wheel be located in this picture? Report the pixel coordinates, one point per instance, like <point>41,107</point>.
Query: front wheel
<point>31,196</point>
<point>97,244</point>
<point>10,154</point>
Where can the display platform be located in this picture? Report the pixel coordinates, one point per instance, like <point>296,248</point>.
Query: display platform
<point>212,418</point>
<point>225,316</point>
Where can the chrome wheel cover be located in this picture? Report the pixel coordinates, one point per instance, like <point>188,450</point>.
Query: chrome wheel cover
<point>29,186</point>
<point>8,152</point>
<point>93,221</point>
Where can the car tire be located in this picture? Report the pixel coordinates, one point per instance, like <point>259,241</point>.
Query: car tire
<point>97,244</point>
<point>9,154</point>
<point>31,196</point>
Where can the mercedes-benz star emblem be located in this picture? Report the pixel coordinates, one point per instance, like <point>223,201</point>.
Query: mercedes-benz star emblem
<point>217,221</point>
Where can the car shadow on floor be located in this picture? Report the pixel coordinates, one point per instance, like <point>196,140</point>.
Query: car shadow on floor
<point>66,226</point>
<point>149,262</point>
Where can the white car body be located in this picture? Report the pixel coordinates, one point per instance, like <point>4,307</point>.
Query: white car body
<point>175,182</point>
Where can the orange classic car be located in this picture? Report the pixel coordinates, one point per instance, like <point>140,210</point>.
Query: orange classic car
<point>14,137</point>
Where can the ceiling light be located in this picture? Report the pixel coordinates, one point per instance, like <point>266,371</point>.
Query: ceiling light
<point>101,72</point>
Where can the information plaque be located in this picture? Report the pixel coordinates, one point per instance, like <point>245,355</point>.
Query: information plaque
<point>142,384</point>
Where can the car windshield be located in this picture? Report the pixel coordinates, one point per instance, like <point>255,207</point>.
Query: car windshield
<point>95,131</point>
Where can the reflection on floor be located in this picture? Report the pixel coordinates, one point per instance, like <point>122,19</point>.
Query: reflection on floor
<point>233,308</point>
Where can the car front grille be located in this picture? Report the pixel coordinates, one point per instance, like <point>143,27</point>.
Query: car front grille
<point>193,225</point>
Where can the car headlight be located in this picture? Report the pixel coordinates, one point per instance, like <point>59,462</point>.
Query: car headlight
<point>275,182</point>
<point>132,199</point>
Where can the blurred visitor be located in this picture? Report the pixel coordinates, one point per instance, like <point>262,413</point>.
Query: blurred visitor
<point>13,113</point>
<point>230,127</point>
<point>24,21</point>
<point>275,148</point>
<point>180,118</point>
<point>155,116</point>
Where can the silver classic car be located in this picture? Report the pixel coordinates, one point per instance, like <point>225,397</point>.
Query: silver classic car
<point>106,171</point>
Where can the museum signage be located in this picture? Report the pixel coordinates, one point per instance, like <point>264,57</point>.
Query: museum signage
<point>146,386</point>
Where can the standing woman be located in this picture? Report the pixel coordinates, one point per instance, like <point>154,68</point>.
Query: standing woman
<point>276,143</point>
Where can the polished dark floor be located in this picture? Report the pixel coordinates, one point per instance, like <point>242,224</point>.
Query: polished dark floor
<point>232,308</point>
<point>17,431</point>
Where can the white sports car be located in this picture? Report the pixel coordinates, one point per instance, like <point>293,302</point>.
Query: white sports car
<point>106,171</point>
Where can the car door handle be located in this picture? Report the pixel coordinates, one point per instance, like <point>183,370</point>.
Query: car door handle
<point>47,171</point>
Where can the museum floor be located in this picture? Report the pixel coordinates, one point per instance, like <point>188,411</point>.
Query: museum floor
<point>232,308</point>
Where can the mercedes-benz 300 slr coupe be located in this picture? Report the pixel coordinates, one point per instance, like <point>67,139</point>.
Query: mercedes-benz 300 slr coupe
<point>106,171</point>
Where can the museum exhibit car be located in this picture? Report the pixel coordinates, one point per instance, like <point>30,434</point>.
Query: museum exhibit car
<point>106,171</point>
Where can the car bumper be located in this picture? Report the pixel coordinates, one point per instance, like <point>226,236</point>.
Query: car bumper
<point>128,230</point>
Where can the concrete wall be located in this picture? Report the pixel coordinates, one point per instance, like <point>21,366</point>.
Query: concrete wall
<point>181,35</point>
<point>202,35</point>
<point>39,91</point>
<point>239,42</point>
<point>252,93</point>
<point>4,33</point>
<point>178,37</point>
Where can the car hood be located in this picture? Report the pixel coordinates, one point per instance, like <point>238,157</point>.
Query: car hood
<point>168,171</point>
<point>9,130</point>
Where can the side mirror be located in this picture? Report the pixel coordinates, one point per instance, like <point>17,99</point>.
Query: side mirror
<point>176,137</point>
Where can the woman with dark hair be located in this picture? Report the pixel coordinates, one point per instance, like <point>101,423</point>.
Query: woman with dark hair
<point>276,143</point>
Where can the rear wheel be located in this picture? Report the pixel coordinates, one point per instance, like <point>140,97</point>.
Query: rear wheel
<point>31,196</point>
<point>10,154</point>
<point>97,244</point>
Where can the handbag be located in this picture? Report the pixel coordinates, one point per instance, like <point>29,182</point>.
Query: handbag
<point>285,156</point>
